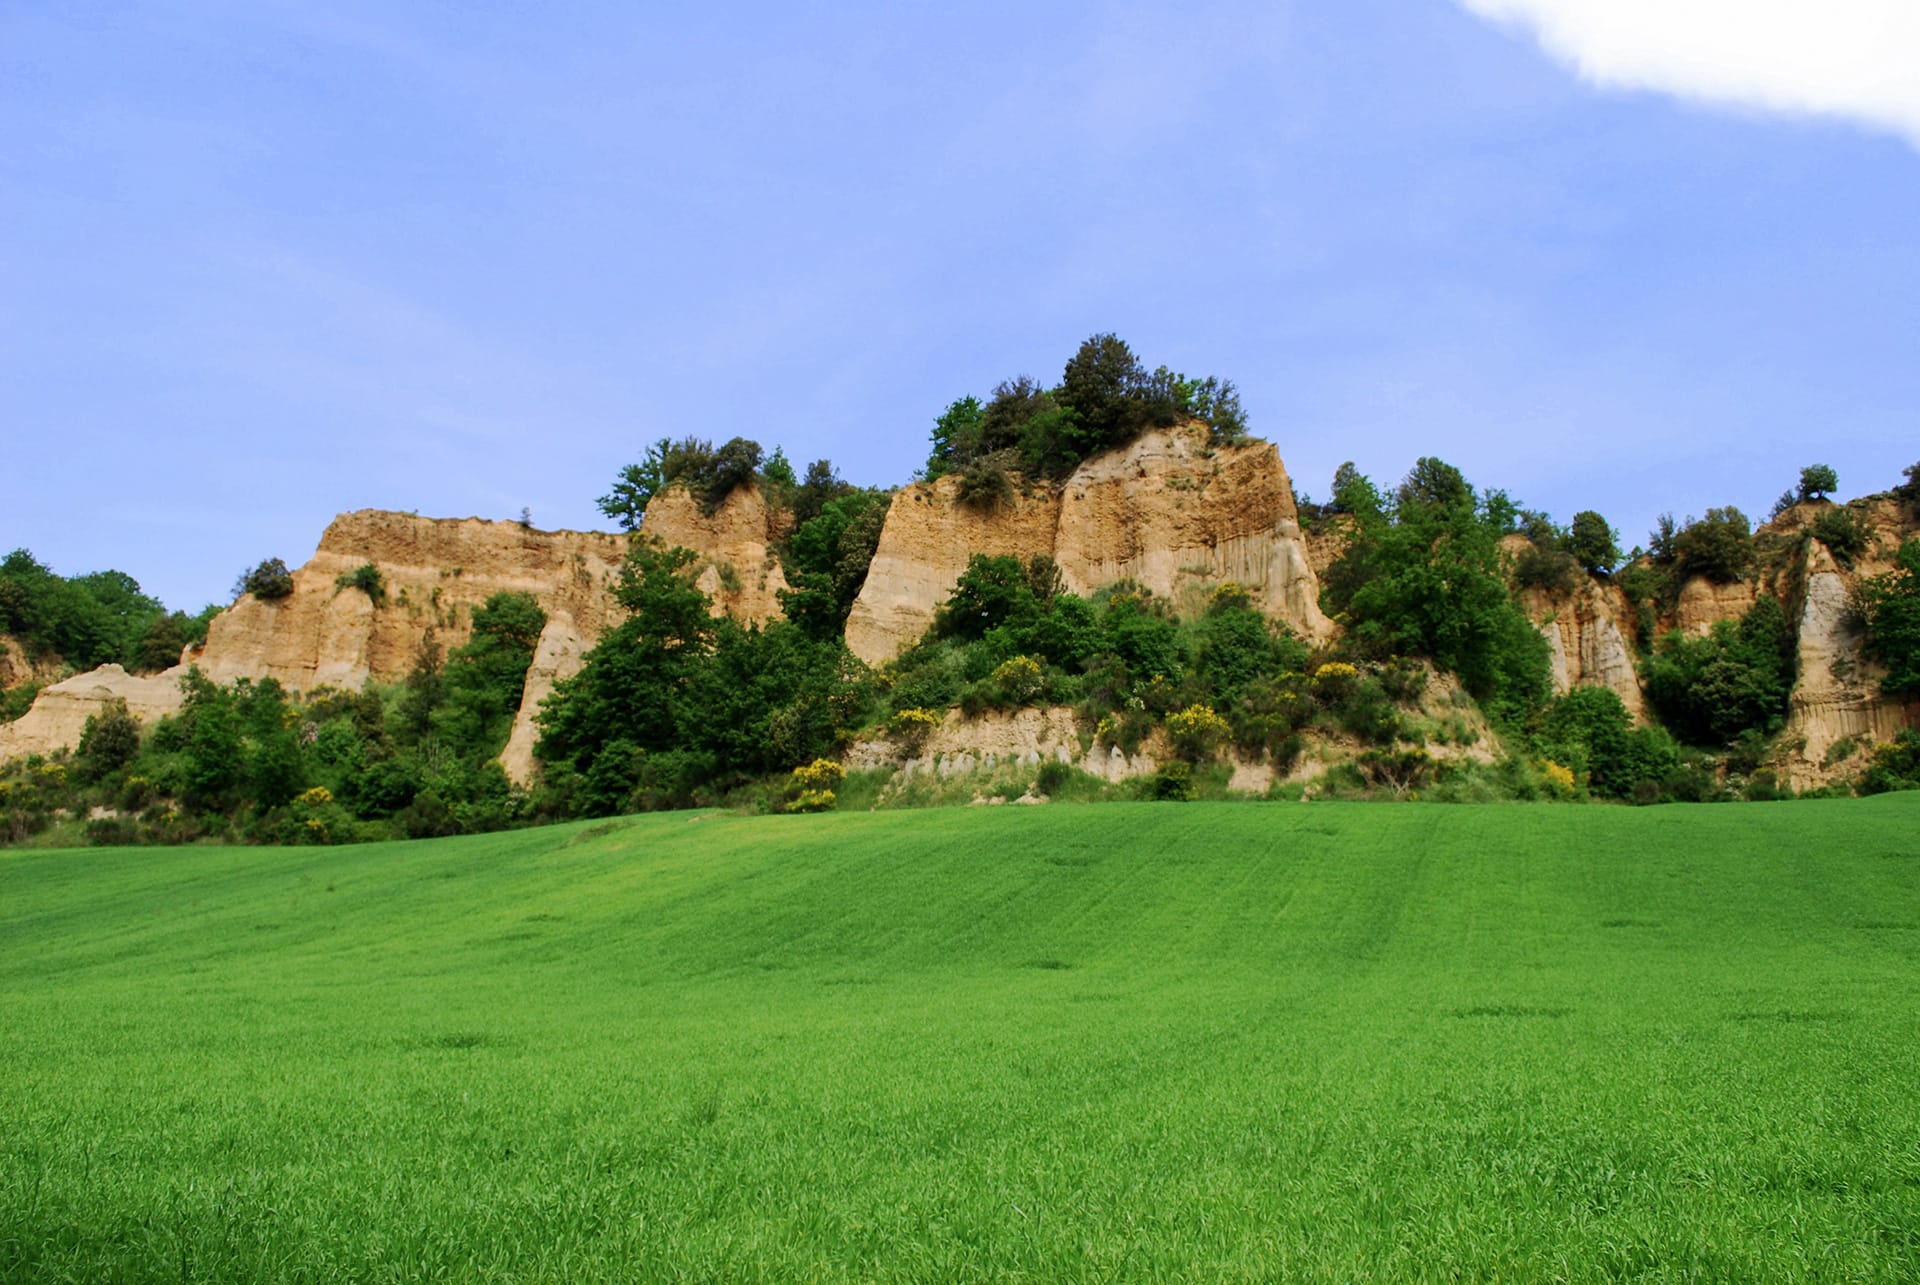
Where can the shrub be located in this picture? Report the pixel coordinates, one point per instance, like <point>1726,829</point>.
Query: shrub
<point>812,801</point>
<point>1718,546</point>
<point>1890,606</point>
<point>1173,783</point>
<point>268,580</point>
<point>984,484</point>
<point>1196,732</point>
<point>1592,542</point>
<point>821,774</point>
<point>1053,777</point>
<point>1845,534</point>
<point>911,728</point>
<point>367,578</point>
<point>1895,765</point>
<point>1019,680</point>
<point>1401,770</point>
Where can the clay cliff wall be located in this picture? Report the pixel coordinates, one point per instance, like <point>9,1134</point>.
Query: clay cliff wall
<point>1169,512</point>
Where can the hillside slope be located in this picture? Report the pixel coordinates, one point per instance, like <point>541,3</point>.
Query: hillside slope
<point>1144,1041</point>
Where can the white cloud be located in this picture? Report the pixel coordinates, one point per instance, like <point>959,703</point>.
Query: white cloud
<point>1854,59</point>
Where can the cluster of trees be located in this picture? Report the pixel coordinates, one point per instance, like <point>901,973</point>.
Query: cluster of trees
<point>1422,575</point>
<point>675,706</point>
<point>253,761</point>
<point>1105,398</point>
<point>91,620</point>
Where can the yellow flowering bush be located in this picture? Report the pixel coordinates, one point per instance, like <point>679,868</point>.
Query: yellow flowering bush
<point>910,728</point>
<point>1019,680</point>
<point>1559,778</point>
<point>821,774</point>
<point>318,797</point>
<point>1196,732</point>
<point>812,801</point>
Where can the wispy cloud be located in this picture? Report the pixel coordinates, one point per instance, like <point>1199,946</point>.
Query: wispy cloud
<point>1857,60</point>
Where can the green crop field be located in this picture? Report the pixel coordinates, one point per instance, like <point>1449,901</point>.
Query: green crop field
<point>1133,1042</point>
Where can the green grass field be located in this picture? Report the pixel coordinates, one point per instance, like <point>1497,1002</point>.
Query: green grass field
<point>1055,1044</point>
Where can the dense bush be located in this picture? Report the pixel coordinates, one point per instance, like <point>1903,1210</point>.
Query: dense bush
<point>1105,399</point>
<point>1718,546</point>
<point>1844,532</point>
<point>268,581</point>
<point>90,620</point>
<point>1710,689</point>
<point>367,578</point>
<point>1890,606</point>
<point>827,558</point>
<point>1425,579</point>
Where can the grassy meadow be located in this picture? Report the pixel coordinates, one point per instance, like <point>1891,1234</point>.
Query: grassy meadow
<point>1132,1042</point>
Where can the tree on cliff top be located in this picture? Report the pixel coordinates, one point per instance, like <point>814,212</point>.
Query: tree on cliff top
<point>1105,399</point>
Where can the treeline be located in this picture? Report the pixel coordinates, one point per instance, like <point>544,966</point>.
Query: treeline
<point>91,620</point>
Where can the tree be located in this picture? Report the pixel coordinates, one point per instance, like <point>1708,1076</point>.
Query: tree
<point>1890,605</point>
<point>109,740</point>
<point>633,686</point>
<point>1817,481</point>
<point>956,436</point>
<point>1099,386</point>
<point>1354,493</point>
<point>1433,484</point>
<point>1593,542</point>
<point>638,483</point>
<point>1718,546</point>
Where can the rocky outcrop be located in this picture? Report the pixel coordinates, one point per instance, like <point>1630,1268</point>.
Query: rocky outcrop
<point>435,572</point>
<point>19,667</point>
<point>1587,630</point>
<point>737,569</point>
<point>1168,512</point>
<point>60,712</point>
<point>1836,698</point>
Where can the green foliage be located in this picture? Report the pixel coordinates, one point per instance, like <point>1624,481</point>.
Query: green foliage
<point>1354,493</point>
<point>367,578</point>
<point>1428,581</point>
<point>1710,689</point>
<point>637,484</point>
<point>732,466</point>
<point>1590,727</point>
<point>827,561</point>
<point>1908,492</point>
<point>1593,543</point>
<point>1718,546</point>
<point>1844,532</point>
<point>1895,765</point>
<point>483,681</point>
<point>87,620</point>
<point>109,741</point>
<point>1105,399</point>
<point>268,581</point>
<point>778,471</point>
<point>984,483</point>
<point>1817,481</point>
<point>673,705</point>
<point>956,436</point>
<point>1890,606</point>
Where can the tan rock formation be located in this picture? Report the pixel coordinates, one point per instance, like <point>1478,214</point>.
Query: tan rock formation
<point>559,655</point>
<point>1702,602</point>
<point>1836,696</point>
<point>1168,512</point>
<point>60,712</point>
<point>737,569</point>
<point>1588,631</point>
<point>436,570</point>
<point>19,667</point>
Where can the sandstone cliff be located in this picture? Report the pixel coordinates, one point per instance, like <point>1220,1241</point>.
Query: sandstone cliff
<point>737,567</point>
<point>437,570</point>
<point>1167,511</point>
<point>1589,631</point>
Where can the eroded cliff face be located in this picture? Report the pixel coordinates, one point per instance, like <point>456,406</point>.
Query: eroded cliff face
<point>436,570</point>
<point>1168,512</point>
<point>1589,631</point>
<point>738,569</point>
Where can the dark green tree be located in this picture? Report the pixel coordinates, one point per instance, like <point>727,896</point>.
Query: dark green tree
<point>1890,605</point>
<point>638,483</point>
<point>1592,542</point>
<point>1817,481</point>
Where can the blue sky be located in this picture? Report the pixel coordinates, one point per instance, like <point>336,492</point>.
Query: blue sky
<point>264,262</point>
